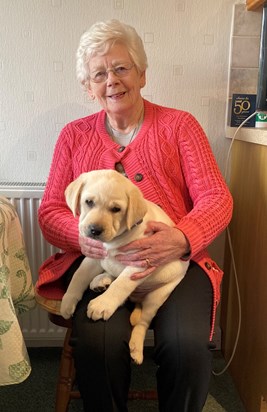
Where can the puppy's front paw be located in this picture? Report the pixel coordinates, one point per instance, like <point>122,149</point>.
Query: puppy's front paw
<point>101,282</point>
<point>100,308</point>
<point>68,305</point>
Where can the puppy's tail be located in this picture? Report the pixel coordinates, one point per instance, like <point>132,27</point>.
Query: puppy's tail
<point>136,314</point>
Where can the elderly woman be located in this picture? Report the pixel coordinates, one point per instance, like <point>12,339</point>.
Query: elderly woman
<point>166,154</point>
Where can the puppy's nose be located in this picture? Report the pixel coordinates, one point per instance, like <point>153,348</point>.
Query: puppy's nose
<point>94,231</point>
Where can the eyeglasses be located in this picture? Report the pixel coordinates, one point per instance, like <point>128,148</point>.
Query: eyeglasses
<point>120,71</point>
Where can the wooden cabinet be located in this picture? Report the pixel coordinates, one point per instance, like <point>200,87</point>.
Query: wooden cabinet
<point>248,184</point>
<point>254,4</point>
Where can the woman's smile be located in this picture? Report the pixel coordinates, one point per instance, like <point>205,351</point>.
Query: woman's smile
<point>117,96</point>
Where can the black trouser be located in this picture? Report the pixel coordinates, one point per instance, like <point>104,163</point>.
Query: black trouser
<point>182,350</point>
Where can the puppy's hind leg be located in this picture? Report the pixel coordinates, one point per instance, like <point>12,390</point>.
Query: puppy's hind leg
<point>150,305</point>
<point>136,343</point>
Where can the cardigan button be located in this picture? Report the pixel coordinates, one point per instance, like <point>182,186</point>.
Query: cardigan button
<point>119,167</point>
<point>138,177</point>
<point>208,265</point>
<point>120,149</point>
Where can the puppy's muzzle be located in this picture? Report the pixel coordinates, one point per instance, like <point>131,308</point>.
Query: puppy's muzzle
<point>94,231</point>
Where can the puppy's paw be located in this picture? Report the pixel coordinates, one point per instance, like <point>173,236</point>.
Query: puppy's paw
<point>100,308</point>
<point>68,305</point>
<point>136,343</point>
<point>136,352</point>
<point>101,282</point>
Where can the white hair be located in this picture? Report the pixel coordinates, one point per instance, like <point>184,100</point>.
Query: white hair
<point>100,38</point>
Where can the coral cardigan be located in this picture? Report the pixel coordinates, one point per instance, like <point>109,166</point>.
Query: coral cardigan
<point>170,160</point>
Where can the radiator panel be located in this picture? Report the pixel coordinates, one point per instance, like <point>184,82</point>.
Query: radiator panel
<point>26,198</point>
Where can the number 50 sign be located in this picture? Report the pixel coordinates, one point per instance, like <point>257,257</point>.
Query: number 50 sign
<point>243,105</point>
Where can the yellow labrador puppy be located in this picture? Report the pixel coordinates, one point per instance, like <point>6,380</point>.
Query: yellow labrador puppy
<point>113,210</point>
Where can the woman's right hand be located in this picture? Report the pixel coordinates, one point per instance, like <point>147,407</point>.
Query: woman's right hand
<point>92,248</point>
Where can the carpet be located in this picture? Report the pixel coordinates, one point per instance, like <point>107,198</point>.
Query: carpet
<point>37,393</point>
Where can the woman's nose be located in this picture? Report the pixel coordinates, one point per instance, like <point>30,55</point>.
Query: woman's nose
<point>112,78</point>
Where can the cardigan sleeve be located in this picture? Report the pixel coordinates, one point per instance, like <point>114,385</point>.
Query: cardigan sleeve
<point>56,221</point>
<point>212,201</point>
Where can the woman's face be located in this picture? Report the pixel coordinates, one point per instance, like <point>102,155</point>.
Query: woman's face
<point>116,95</point>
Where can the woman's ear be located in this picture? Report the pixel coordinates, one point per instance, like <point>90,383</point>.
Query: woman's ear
<point>90,93</point>
<point>143,79</point>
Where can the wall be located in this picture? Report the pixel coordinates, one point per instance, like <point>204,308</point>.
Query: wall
<point>245,47</point>
<point>245,43</point>
<point>187,43</point>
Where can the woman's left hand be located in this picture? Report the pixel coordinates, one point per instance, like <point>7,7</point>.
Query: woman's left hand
<point>162,245</point>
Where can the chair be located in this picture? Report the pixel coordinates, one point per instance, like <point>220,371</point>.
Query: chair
<point>65,390</point>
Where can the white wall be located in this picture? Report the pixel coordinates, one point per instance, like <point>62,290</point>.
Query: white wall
<point>187,43</point>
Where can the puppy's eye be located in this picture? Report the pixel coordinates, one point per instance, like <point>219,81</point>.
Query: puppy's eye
<point>90,203</point>
<point>115,209</point>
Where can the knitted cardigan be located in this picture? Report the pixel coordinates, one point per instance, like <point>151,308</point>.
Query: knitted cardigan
<point>170,160</point>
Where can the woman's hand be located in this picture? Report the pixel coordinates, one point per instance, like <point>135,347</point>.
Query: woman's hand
<point>92,248</point>
<point>163,244</point>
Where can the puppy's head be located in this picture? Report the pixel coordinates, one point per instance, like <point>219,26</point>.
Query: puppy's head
<point>108,204</point>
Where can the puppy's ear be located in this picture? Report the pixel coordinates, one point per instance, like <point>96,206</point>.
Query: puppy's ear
<point>73,194</point>
<point>137,207</point>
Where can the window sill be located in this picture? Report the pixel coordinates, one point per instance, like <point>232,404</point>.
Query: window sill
<point>248,134</point>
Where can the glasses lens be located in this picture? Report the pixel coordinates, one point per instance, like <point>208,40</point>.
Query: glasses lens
<point>122,71</point>
<point>119,71</point>
<point>99,77</point>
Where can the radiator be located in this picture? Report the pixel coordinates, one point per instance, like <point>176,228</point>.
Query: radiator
<point>26,197</point>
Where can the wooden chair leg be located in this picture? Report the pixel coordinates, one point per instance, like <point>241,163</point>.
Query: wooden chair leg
<point>64,392</point>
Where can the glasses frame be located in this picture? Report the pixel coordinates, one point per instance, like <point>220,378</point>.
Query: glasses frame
<point>127,68</point>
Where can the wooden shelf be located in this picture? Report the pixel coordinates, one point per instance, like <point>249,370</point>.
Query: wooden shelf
<point>254,4</point>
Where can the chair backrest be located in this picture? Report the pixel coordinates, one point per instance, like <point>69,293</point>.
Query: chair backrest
<point>50,305</point>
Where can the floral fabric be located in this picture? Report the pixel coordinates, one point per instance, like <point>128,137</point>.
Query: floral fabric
<point>16,296</point>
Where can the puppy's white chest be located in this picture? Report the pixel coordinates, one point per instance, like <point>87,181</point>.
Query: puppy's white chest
<point>112,266</point>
